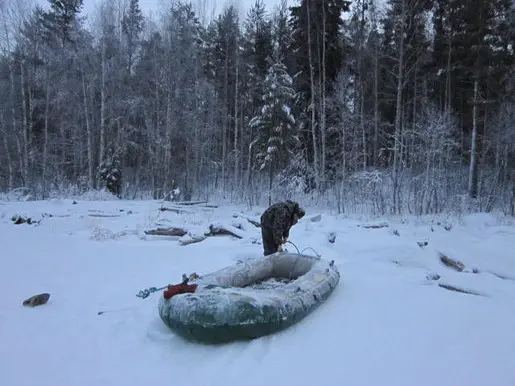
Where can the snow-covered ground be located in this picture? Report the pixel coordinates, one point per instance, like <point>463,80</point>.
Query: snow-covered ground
<point>387,323</point>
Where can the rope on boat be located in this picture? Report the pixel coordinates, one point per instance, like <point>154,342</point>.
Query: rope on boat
<point>146,292</point>
<point>301,252</point>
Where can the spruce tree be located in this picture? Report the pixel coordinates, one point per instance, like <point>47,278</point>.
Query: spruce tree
<point>276,137</point>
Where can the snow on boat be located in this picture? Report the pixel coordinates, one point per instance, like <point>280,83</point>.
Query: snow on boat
<point>233,304</point>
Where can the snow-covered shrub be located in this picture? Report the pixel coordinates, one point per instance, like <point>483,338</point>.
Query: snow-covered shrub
<point>110,173</point>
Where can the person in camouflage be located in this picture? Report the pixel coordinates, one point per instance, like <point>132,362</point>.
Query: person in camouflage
<point>276,222</point>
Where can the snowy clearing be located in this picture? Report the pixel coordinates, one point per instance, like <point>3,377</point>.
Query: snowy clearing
<point>388,322</point>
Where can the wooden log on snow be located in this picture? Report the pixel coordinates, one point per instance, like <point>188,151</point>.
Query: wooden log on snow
<point>103,215</point>
<point>451,263</point>
<point>220,229</point>
<point>450,287</point>
<point>192,239</point>
<point>189,203</point>
<point>374,226</point>
<point>175,210</point>
<point>172,231</point>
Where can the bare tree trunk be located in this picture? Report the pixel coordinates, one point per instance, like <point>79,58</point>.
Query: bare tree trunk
<point>13,110</point>
<point>8,155</point>
<point>448,89</point>
<point>376,91</point>
<point>323,102</point>
<point>89,134</point>
<point>168,144</point>
<point>472,183</point>
<point>362,87</point>
<point>398,112</point>
<point>226,113</point>
<point>312,103</point>
<point>102,104</point>
<point>235,148</point>
<point>25,132</point>
<point>45,133</point>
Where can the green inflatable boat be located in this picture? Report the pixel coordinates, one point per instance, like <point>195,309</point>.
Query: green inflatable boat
<point>234,304</point>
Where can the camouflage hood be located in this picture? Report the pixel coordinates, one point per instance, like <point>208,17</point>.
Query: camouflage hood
<point>295,208</point>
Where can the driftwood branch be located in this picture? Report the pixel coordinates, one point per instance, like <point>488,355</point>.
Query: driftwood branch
<point>173,231</point>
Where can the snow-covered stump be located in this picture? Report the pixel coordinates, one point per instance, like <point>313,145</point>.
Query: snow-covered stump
<point>316,218</point>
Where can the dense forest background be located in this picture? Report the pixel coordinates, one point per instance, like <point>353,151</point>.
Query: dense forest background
<point>391,107</point>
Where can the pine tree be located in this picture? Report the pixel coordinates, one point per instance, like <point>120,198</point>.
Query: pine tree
<point>257,52</point>
<point>60,18</point>
<point>110,173</point>
<point>276,137</point>
<point>132,26</point>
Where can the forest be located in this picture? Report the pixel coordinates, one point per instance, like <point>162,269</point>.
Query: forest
<point>384,107</point>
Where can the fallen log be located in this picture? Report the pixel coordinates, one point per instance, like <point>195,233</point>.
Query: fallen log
<point>189,203</point>
<point>172,231</point>
<point>175,210</point>
<point>451,263</point>
<point>457,289</point>
<point>374,226</point>
<point>103,215</point>
<point>220,230</point>
<point>192,239</point>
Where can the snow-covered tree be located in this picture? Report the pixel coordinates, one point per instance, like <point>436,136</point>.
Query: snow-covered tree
<point>110,173</point>
<point>276,136</point>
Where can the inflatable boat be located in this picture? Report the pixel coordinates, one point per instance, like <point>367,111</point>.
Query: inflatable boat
<point>233,304</point>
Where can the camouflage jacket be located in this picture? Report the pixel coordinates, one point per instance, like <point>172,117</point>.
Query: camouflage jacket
<point>278,219</point>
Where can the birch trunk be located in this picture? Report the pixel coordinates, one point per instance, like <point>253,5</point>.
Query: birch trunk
<point>102,104</point>
<point>398,112</point>
<point>45,133</point>
<point>312,103</point>
<point>13,110</point>
<point>323,102</point>
<point>25,134</point>
<point>8,155</point>
<point>472,180</point>
<point>376,93</point>
<point>224,129</point>
<point>235,149</point>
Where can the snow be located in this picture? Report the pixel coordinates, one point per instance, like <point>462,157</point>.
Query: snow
<point>385,323</point>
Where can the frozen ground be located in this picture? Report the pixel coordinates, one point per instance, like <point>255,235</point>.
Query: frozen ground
<point>387,323</point>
